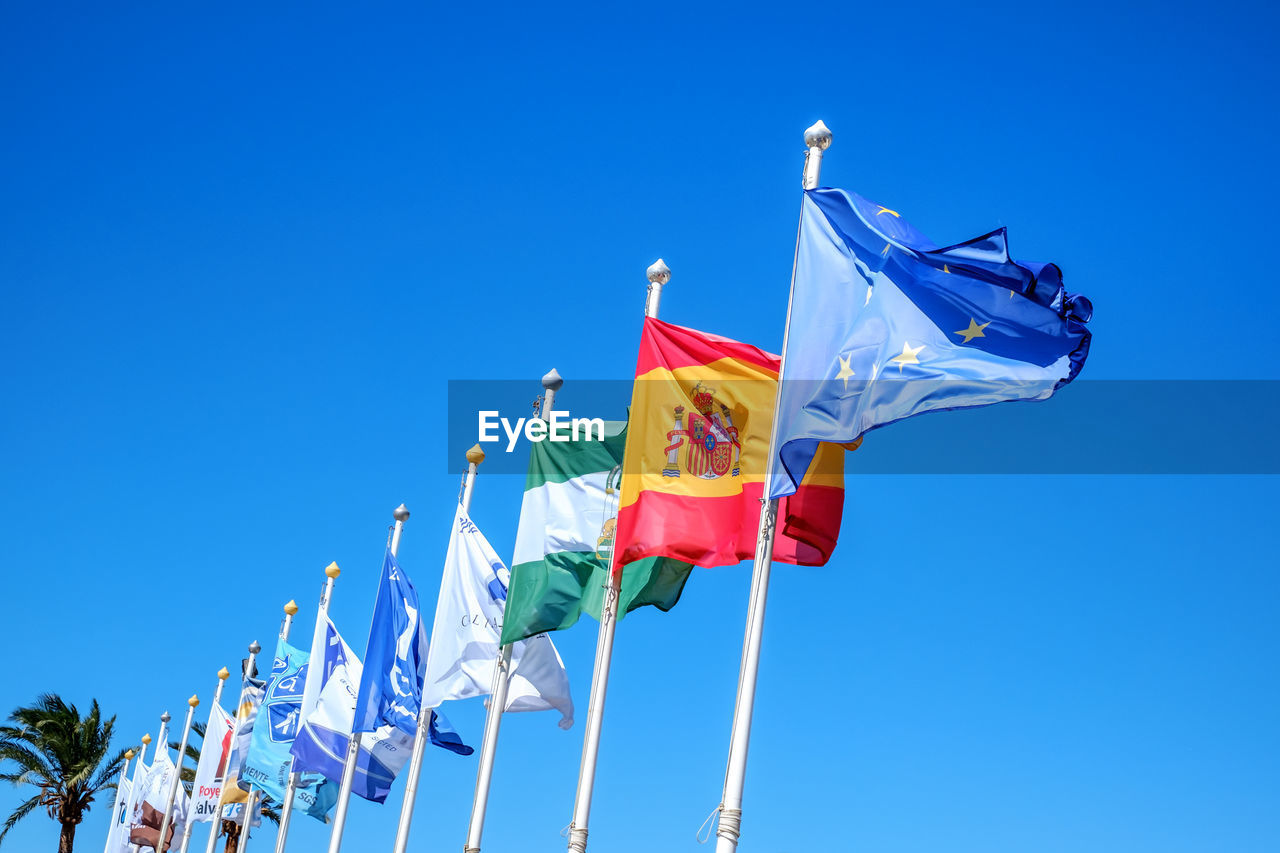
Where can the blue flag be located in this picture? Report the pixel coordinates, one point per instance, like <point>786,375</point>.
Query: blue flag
<point>267,763</point>
<point>390,691</point>
<point>322,744</point>
<point>885,325</point>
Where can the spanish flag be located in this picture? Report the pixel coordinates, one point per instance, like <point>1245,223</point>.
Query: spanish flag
<point>693,472</point>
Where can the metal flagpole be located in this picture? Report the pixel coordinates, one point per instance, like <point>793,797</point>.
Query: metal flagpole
<point>818,139</point>
<point>160,745</point>
<point>551,383</point>
<point>115,808</point>
<point>658,274</point>
<point>474,457</point>
<point>217,697</point>
<point>192,703</point>
<point>401,515</point>
<point>290,610</point>
<point>216,829</point>
<point>331,573</point>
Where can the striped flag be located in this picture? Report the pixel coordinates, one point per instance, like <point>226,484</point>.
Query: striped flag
<point>565,538</point>
<point>701,408</point>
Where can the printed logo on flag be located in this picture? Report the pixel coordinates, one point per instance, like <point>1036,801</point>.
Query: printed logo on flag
<point>284,701</point>
<point>498,585</point>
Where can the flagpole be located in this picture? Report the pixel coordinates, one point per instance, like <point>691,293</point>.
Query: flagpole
<point>551,383</point>
<point>217,697</point>
<point>474,457</point>
<point>658,274</point>
<point>216,829</point>
<point>401,515</point>
<point>729,825</point>
<point>290,610</point>
<point>192,703</point>
<point>115,807</point>
<point>331,573</point>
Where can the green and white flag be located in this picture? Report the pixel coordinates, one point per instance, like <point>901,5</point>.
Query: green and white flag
<point>565,537</point>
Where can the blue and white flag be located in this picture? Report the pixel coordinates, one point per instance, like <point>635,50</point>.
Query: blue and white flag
<point>390,683</point>
<point>268,761</point>
<point>885,325</point>
<point>468,624</point>
<point>118,834</point>
<point>322,744</point>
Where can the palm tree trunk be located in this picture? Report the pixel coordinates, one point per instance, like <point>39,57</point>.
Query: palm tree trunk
<point>67,838</point>
<point>233,835</point>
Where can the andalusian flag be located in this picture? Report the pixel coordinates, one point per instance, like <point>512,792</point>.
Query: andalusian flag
<point>565,538</point>
<point>692,484</point>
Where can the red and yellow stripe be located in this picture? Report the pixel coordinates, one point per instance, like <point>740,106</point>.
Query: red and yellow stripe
<point>666,509</point>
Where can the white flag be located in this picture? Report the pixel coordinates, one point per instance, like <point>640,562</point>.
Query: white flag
<point>136,787</point>
<point>214,753</point>
<point>118,834</point>
<point>468,622</point>
<point>148,810</point>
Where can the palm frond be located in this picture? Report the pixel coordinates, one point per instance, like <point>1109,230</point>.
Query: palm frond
<point>23,809</point>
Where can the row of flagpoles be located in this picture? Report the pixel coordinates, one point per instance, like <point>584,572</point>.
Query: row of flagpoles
<point>130,797</point>
<point>351,725</point>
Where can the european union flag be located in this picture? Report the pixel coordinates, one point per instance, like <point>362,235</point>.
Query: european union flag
<point>886,325</point>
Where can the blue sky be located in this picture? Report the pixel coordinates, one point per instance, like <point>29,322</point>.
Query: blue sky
<point>243,250</point>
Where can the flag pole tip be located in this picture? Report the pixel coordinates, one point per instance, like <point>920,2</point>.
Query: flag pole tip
<point>330,571</point>
<point>164,718</point>
<point>658,272</point>
<point>193,701</point>
<point>818,136</point>
<point>401,513</point>
<point>291,608</point>
<point>475,455</point>
<point>128,755</point>
<point>146,739</point>
<point>553,380</point>
<point>223,673</point>
<point>254,648</point>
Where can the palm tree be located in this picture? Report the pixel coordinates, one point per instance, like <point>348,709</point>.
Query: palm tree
<point>188,776</point>
<point>63,754</point>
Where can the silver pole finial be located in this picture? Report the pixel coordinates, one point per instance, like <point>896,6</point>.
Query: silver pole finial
<point>401,513</point>
<point>254,648</point>
<point>552,381</point>
<point>658,272</point>
<point>818,138</point>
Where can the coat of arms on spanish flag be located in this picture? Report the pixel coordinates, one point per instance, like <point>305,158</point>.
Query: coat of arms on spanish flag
<point>693,473</point>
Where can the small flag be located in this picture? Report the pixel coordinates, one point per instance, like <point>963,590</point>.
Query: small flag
<point>322,744</point>
<point>267,762</point>
<point>468,623</point>
<point>879,337</point>
<point>214,755</point>
<point>567,522</point>
<point>390,683</point>
<point>118,834</point>
<point>251,691</point>
<point>148,813</point>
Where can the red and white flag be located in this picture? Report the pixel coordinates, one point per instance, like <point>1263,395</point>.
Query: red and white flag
<point>213,766</point>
